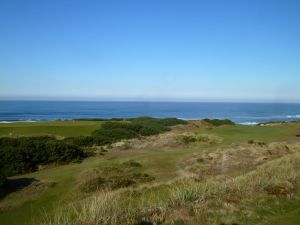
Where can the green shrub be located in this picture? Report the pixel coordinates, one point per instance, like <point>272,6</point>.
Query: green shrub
<point>251,142</point>
<point>114,177</point>
<point>92,184</point>
<point>164,122</point>
<point>111,135</point>
<point>132,163</point>
<point>217,122</point>
<point>188,139</point>
<point>172,121</point>
<point>200,160</point>
<point>203,138</point>
<point>87,141</point>
<point>148,131</point>
<point>24,154</point>
<point>114,181</point>
<point>113,131</point>
<point>261,143</point>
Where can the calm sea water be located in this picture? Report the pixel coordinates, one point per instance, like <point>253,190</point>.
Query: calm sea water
<point>238,112</point>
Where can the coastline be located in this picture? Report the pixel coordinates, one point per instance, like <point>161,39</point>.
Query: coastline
<point>250,123</point>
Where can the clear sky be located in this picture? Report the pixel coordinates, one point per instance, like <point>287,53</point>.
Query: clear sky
<point>213,50</point>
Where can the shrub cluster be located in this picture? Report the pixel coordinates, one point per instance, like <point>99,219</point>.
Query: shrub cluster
<point>24,154</point>
<point>217,122</point>
<point>260,143</point>
<point>113,177</point>
<point>99,119</point>
<point>188,139</point>
<point>113,131</point>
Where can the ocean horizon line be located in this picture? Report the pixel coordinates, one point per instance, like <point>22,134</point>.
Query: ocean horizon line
<point>153,101</point>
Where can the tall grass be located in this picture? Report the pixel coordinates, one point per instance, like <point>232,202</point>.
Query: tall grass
<point>188,201</point>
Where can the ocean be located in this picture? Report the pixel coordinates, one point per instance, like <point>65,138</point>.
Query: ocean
<point>244,113</point>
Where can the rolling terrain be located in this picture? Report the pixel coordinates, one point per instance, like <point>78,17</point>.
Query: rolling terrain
<point>195,173</point>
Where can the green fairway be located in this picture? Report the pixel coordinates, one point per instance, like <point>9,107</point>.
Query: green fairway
<point>242,133</point>
<point>56,128</point>
<point>165,164</point>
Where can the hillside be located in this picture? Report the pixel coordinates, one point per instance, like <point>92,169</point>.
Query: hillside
<point>191,173</point>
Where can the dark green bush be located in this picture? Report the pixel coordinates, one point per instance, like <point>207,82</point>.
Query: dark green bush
<point>164,122</point>
<point>113,131</point>
<point>200,160</point>
<point>188,139</point>
<point>87,141</point>
<point>123,125</point>
<point>24,154</point>
<point>132,163</point>
<point>148,131</point>
<point>114,134</point>
<point>216,122</point>
<point>251,142</point>
<point>172,121</point>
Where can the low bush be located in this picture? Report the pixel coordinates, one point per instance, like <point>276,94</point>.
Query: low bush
<point>92,184</point>
<point>251,142</point>
<point>148,130</point>
<point>132,163</point>
<point>260,143</point>
<point>157,122</point>
<point>217,122</point>
<point>87,141</point>
<point>99,119</point>
<point>200,160</point>
<point>188,139</point>
<point>24,154</point>
<point>108,136</point>
<point>114,182</point>
<point>113,177</point>
<point>113,131</point>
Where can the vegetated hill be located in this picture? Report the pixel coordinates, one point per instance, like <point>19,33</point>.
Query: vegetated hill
<point>20,155</point>
<point>194,174</point>
<point>112,131</point>
<point>248,196</point>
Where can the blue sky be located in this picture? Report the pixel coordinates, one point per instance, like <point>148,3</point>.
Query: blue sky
<point>150,50</point>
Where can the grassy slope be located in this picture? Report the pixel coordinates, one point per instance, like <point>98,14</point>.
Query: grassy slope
<point>162,163</point>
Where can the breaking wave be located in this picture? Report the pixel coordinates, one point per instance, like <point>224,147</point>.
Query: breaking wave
<point>249,123</point>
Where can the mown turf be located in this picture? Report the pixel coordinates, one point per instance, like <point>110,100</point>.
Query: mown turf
<point>242,133</point>
<point>57,128</point>
<point>163,164</point>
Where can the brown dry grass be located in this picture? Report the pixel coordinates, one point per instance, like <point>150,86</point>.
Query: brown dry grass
<point>215,200</point>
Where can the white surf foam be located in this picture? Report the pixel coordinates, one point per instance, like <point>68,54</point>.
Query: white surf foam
<point>249,123</point>
<point>293,116</point>
<point>19,121</point>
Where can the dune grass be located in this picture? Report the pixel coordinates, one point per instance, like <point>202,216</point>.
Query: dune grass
<point>165,164</point>
<point>221,200</point>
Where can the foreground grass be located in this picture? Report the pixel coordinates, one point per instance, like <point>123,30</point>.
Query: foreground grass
<point>251,198</point>
<point>165,164</point>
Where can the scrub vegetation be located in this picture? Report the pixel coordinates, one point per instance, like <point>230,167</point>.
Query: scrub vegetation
<point>154,171</point>
<point>24,154</point>
<point>217,122</point>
